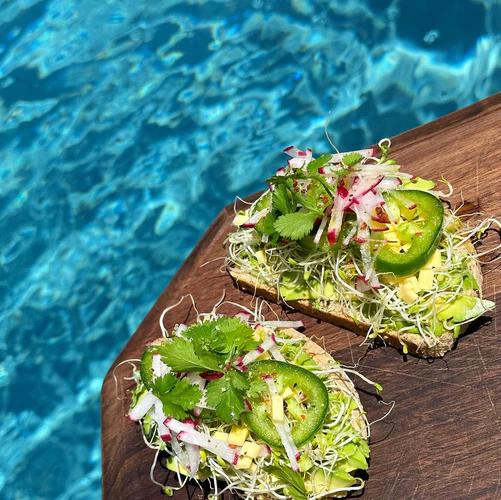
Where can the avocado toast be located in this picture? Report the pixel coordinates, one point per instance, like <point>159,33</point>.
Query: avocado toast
<point>352,240</point>
<point>253,407</point>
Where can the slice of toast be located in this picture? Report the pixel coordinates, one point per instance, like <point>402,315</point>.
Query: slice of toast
<point>337,315</point>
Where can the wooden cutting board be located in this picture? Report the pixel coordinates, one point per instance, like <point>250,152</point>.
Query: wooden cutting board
<point>443,438</point>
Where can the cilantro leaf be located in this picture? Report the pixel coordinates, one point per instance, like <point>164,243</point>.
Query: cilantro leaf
<point>314,165</point>
<point>177,395</point>
<point>239,336</point>
<point>221,339</point>
<point>206,342</point>
<point>226,395</point>
<point>257,386</point>
<point>351,159</point>
<point>295,482</point>
<point>179,353</point>
<point>316,197</point>
<point>282,199</point>
<point>295,226</point>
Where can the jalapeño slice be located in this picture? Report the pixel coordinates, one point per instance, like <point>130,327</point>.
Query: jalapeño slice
<point>299,379</point>
<point>146,366</point>
<point>418,232</point>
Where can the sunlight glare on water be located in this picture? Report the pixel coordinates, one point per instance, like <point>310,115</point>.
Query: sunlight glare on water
<point>127,125</point>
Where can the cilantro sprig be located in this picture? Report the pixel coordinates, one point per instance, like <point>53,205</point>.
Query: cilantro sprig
<point>209,346</point>
<point>178,396</point>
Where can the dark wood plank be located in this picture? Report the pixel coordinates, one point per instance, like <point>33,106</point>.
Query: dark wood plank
<point>443,438</point>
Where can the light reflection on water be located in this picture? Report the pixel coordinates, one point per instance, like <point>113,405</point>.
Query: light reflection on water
<point>127,125</point>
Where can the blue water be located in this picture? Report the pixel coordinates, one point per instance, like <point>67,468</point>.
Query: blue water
<point>127,125</point>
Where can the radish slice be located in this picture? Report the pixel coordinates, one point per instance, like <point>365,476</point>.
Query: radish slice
<point>187,434</point>
<point>200,382</point>
<point>275,352</point>
<point>298,153</point>
<point>158,366</point>
<point>143,406</point>
<point>362,284</point>
<point>389,183</point>
<point>192,451</point>
<point>180,454</point>
<point>243,316</point>
<point>361,188</point>
<point>253,355</point>
<point>283,324</point>
<point>336,221</point>
<point>320,230</point>
<point>366,153</point>
<point>254,219</point>
<point>284,431</point>
<point>265,451</point>
<point>159,417</point>
<point>349,236</point>
<point>365,252</point>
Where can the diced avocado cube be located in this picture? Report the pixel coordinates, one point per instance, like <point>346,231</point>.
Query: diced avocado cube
<point>250,449</point>
<point>244,463</point>
<point>408,288</point>
<point>238,435</point>
<point>425,279</point>
<point>305,463</point>
<point>277,409</point>
<point>240,218</point>
<point>222,436</point>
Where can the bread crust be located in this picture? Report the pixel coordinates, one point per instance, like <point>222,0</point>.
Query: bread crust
<point>337,315</point>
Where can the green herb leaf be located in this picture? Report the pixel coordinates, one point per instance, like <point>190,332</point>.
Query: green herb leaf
<point>314,165</point>
<point>351,159</point>
<point>179,353</point>
<point>316,198</point>
<point>265,225</point>
<point>257,387</point>
<point>226,395</point>
<point>282,199</point>
<point>238,336</point>
<point>295,482</point>
<point>295,226</point>
<point>177,395</point>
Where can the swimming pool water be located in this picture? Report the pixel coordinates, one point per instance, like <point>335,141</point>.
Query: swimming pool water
<point>125,126</point>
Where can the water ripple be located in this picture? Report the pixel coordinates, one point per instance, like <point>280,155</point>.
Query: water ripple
<point>127,125</point>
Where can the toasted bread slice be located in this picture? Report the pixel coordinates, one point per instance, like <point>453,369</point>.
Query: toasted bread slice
<point>337,315</point>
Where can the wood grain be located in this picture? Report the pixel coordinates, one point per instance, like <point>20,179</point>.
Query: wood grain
<point>443,438</point>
